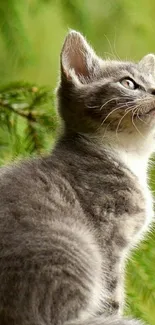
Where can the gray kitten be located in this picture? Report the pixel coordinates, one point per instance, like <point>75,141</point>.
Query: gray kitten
<point>68,221</point>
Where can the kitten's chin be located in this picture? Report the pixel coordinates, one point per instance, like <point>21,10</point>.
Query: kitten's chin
<point>150,112</point>
<point>146,121</point>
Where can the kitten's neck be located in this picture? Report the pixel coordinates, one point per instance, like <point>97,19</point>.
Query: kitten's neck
<point>134,152</point>
<point>136,163</point>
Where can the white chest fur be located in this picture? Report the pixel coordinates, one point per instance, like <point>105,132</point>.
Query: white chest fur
<point>138,166</point>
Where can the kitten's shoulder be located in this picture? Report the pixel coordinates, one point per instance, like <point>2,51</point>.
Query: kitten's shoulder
<point>23,174</point>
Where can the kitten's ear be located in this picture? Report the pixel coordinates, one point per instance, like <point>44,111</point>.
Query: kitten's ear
<point>78,60</point>
<point>147,64</point>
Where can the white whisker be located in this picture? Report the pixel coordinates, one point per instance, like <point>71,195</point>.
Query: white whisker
<point>110,100</point>
<point>120,121</point>
<point>136,127</point>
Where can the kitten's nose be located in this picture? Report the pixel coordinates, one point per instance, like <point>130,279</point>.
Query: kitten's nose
<point>151,91</point>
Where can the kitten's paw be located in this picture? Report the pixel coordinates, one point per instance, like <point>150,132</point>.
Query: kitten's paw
<point>111,320</point>
<point>122,321</point>
<point>130,322</point>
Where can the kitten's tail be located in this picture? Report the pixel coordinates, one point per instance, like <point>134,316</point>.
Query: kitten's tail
<point>111,320</point>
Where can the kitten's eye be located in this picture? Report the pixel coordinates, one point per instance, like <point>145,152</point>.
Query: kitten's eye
<point>127,83</point>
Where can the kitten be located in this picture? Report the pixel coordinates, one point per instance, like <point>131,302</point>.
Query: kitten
<point>68,221</point>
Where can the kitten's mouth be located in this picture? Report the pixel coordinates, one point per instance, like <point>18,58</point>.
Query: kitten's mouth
<point>150,112</point>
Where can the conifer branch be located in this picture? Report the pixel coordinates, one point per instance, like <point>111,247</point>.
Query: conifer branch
<point>27,102</point>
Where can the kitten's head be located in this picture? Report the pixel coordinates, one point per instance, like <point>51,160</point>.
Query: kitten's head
<point>100,97</point>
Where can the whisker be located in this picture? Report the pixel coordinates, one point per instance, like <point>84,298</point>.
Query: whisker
<point>114,110</point>
<point>100,107</point>
<point>136,127</point>
<point>144,101</point>
<point>95,106</point>
<point>113,50</point>
<point>120,121</point>
<point>130,105</point>
<point>110,100</point>
<point>106,129</point>
<point>139,116</point>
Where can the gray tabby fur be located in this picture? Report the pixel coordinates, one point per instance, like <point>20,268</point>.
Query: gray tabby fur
<point>69,220</point>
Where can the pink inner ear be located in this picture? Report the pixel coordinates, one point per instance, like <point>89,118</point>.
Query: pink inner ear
<point>74,55</point>
<point>78,61</point>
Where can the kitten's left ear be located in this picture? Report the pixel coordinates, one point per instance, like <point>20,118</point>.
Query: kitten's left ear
<point>79,62</point>
<point>147,64</point>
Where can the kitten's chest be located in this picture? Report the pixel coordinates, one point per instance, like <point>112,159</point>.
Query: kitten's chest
<point>135,223</point>
<point>147,200</point>
<point>141,195</point>
<point>128,230</point>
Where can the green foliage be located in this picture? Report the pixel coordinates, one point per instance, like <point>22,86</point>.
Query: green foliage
<point>31,35</point>
<point>13,30</point>
<point>25,119</point>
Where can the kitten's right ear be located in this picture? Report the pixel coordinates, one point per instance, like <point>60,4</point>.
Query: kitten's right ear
<point>147,64</point>
<point>79,63</point>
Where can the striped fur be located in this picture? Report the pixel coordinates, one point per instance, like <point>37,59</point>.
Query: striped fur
<point>69,220</point>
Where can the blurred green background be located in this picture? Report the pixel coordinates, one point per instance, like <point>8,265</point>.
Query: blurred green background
<point>31,36</point>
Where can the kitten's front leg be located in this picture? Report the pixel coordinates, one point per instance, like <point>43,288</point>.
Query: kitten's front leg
<point>111,320</point>
<point>114,303</point>
<point>118,321</point>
